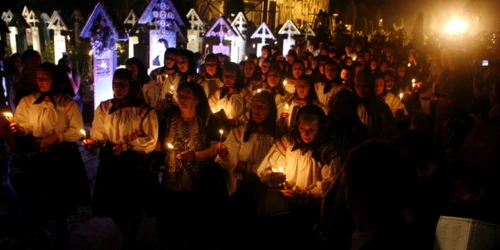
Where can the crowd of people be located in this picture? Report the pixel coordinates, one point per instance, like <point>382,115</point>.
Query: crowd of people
<point>335,145</point>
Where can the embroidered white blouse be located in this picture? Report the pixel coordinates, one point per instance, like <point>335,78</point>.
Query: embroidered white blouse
<point>119,126</point>
<point>44,119</point>
<point>234,106</point>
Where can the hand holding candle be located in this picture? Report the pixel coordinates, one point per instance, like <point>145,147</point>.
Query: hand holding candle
<point>401,96</point>
<point>84,133</point>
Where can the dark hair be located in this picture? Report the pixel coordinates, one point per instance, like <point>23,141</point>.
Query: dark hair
<point>309,113</point>
<point>142,76</point>
<point>126,75</point>
<point>311,96</point>
<point>239,78</point>
<point>279,89</point>
<point>60,81</point>
<point>190,56</point>
<point>379,191</point>
<point>329,85</point>
<point>11,67</point>
<point>27,54</point>
<point>164,41</point>
<point>269,122</point>
<point>202,108</point>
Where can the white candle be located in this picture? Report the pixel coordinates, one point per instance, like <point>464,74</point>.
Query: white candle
<point>9,116</point>
<point>413,85</point>
<point>413,80</point>
<point>221,132</point>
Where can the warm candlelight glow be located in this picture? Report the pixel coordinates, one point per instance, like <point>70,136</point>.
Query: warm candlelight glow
<point>259,90</point>
<point>9,116</point>
<point>82,131</point>
<point>409,65</point>
<point>253,45</point>
<point>401,96</point>
<point>284,83</point>
<point>214,111</point>
<point>246,58</point>
<point>413,80</point>
<point>170,146</point>
<point>287,107</point>
<point>279,170</point>
<point>221,132</point>
<point>413,85</point>
<point>172,88</point>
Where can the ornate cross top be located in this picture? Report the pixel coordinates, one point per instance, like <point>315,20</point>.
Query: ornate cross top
<point>289,29</point>
<point>32,20</point>
<point>263,32</point>
<point>240,22</point>
<point>194,20</point>
<point>26,12</point>
<point>308,31</point>
<point>7,16</point>
<point>221,28</point>
<point>56,23</point>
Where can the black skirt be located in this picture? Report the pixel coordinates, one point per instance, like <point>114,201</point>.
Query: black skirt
<point>123,183</point>
<point>51,183</point>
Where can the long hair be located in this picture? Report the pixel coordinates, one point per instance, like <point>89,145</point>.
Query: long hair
<point>202,108</point>
<point>279,89</point>
<point>311,96</point>
<point>329,84</point>
<point>142,76</point>
<point>60,81</point>
<point>269,122</point>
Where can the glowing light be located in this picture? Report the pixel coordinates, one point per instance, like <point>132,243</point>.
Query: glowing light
<point>285,83</point>
<point>456,27</point>
<point>82,131</point>
<point>9,116</point>
<point>259,90</point>
<point>170,146</point>
<point>401,96</point>
<point>287,107</point>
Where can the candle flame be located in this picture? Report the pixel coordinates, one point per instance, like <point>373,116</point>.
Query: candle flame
<point>409,65</point>
<point>400,95</point>
<point>259,90</point>
<point>170,146</point>
<point>413,85</point>
<point>82,131</point>
<point>413,80</point>
<point>287,107</point>
<point>221,132</point>
<point>279,170</point>
<point>214,111</point>
<point>284,83</point>
<point>9,116</point>
<point>172,87</point>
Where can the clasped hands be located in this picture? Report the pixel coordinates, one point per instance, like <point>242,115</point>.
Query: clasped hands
<point>91,144</point>
<point>45,143</point>
<point>190,155</point>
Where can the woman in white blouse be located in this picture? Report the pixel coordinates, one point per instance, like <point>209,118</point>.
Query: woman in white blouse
<point>127,131</point>
<point>394,102</point>
<point>50,180</point>
<point>231,97</point>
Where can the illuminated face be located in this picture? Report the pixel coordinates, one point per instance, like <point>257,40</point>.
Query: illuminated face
<point>120,88</point>
<point>44,80</point>
<point>211,67</point>
<point>330,72</point>
<point>265,67</point>
<point>308,130</point>
<point>187,100</point>
<point>182,64</point>
<point>273,78</point>
<point>302,88</point>
<point>260,110</point>
<point>249,69</point>
<point>297,70</point>
<point>345,74</point>
<point>170,60</point>
<point>362,89</point>
<point>229,78</point>
<point>373,65</point>
<point>379,86</point>
<point>389,83</point>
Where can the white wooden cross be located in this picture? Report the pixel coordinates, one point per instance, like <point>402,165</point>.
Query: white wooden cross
<point>33,21</point>
<point>25,12</point>
<point>263,32</point>
<point>193,34</point>
<point>57,25</point>
<point>221,28</point>
<point>7,16</point>
<point>238,43</point>
<point>308,31</point>
<point>131,20</point>
<point>288,29</point>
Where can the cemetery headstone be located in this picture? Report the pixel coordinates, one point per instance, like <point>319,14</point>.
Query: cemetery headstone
<point>288,29</point>
<point>263,33</point>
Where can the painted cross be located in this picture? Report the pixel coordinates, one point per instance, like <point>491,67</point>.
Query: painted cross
<point>130,21</point>
<point>7,18</point>
<point>221,28</point>
<point>57,25</point>
<point>25,12</point>
<point>263,32</point>
<point>33,21</point>
<point>308,31</point>
<point>103,37</point>
<point>193,34</point>
<point>164,15</point>
<point>238,43</point>
<point>288,29</point>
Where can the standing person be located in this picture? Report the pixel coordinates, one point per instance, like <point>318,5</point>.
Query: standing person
<point>127,131</point>
<point>74,78</point>
<point>51,180</point>
<point>27,84</point>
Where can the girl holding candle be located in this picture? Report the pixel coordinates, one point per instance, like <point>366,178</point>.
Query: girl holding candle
<point>127,131</point>
<point>50,182</point>
<point>394,102</point>
<point>330,84</point>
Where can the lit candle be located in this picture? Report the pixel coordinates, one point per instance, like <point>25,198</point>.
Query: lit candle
<point>259,90</point>
<point>287,107</point>
<point>246,58</point>
<point>221,132</point>
<point>84,134</point>
<point>409,65</point>
<point>214,111</point>
<point>9,116</point>
<point>279,170</point>
<point>413,80</point>
<point>401,96</point>
<point>172,89</point>
<point>285,83</point>
<point>413,85</point>
<point>253,45</point>
<point>170,146</point>
<point>275,42</point>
